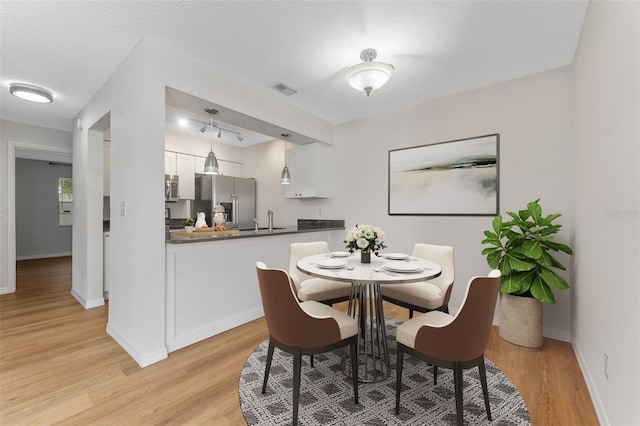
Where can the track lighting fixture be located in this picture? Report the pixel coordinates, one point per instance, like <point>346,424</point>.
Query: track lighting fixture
<point>211,163</point>
<point>215,125</point>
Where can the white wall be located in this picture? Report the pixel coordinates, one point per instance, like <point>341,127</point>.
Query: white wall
<point>50,142</point>
<point>606,197</point>
<point>135,97</point>
<point>532,116</point>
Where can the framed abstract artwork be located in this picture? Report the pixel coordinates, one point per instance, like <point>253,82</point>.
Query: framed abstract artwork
<point>459,177</point>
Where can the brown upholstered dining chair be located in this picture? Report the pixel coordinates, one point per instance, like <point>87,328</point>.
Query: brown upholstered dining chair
<point>429,295</point>
<point>302,328</point>
<point>456,342</point>
<point>312,288</point>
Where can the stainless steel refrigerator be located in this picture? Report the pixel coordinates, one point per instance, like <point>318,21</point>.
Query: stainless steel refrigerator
<point>236,195</point>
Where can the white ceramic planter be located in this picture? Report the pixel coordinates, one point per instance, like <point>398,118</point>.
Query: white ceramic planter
<point>521,321</point>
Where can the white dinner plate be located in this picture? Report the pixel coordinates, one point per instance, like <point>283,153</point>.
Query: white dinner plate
<point>395,256</point>
<point>339,254</point>
<point>402,267</point>
<point>331,264</point>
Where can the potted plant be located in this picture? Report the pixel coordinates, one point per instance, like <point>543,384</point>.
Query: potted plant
<point>188,224</point>
<point>522,249</point>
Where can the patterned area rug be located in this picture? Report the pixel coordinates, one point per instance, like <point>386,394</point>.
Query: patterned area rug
<point>326,393</point>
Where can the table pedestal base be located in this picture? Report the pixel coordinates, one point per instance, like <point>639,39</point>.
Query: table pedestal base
<point>365,305</point>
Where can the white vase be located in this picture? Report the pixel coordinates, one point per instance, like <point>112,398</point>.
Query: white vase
<point>189,228</point>
<point>521,321</point>
<point>200,221</point>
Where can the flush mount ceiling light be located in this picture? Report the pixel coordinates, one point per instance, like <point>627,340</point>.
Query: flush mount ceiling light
<point>369,75</point>
<point>31,93</point>
<point>211,163</point>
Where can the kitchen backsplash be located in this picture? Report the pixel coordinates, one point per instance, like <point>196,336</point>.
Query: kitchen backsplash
<point>180,209</point>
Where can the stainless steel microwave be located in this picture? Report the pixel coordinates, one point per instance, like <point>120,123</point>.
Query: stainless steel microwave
<point>171,187</point>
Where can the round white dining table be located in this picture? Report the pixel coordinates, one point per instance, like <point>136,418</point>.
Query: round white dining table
<point>365,302</point>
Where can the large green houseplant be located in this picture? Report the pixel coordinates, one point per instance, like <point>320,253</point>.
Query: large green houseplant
<point>522,249</point>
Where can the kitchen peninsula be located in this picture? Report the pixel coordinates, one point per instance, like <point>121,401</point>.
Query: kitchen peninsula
<point>211,281</point>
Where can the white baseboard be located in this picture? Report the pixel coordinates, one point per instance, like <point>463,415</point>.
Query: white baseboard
<point>43,256</point>
<point>554,333</point>
<point>143,360</point>
<point>87,304</point>
<point>180,341</point>
<point>94,303</point>
<point>79,298</point>
<point>591,387</point>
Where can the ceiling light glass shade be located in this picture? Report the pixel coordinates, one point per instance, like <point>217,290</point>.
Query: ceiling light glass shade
<point>285,177</point>
<point>30,93</point>
<point>211,164</point>
<point>368,76</point>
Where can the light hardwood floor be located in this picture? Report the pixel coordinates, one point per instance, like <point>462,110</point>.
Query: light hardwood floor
<point>58,366</point>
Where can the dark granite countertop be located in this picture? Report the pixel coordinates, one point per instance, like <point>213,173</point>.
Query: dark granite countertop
<point>304,225</point>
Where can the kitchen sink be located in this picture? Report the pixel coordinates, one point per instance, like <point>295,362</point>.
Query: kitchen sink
<point>259,229</point>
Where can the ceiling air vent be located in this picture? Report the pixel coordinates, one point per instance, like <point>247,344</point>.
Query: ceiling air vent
<point>285,90</point>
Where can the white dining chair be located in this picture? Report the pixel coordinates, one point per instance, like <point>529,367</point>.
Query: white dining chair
<point>311,288</point>
<point>425,296</point>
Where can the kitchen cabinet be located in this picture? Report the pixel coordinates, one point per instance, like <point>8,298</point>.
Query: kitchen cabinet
<point>308,165</point>
<point>200,164</point>
<point>211,285</point>
<point>106,164</point>
<point>186,171</point>
<point>170,163</point>
<point>184,166</point>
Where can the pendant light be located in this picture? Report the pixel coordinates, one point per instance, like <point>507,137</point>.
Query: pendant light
<point>369,75</point>
<point>285,176</point>
<point>211,163</point>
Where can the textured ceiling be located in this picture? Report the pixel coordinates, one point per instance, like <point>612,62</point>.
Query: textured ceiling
<point>438,48</point>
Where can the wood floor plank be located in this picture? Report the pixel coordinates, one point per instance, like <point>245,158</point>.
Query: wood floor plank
<point>59,366</point>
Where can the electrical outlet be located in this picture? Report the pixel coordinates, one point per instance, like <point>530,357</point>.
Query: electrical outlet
<point>123,208</point>
<point>607,367</point>
<point>319,212</point>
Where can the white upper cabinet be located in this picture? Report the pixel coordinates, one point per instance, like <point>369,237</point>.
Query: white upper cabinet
<point>308,165</point>
<point>186,169</point>
<point>200,164</point>
<point>170,163</point>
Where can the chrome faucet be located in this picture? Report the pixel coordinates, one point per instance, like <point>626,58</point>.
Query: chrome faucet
<point>257,225</point>
<point>270,219</point>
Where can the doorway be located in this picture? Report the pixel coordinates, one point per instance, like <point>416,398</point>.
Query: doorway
<point>26,151</point>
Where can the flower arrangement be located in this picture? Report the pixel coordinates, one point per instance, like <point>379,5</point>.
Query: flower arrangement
<point>366,238</point>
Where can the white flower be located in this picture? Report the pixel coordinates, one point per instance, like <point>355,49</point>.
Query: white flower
<point>365,237</point>
<point>363,243</point>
